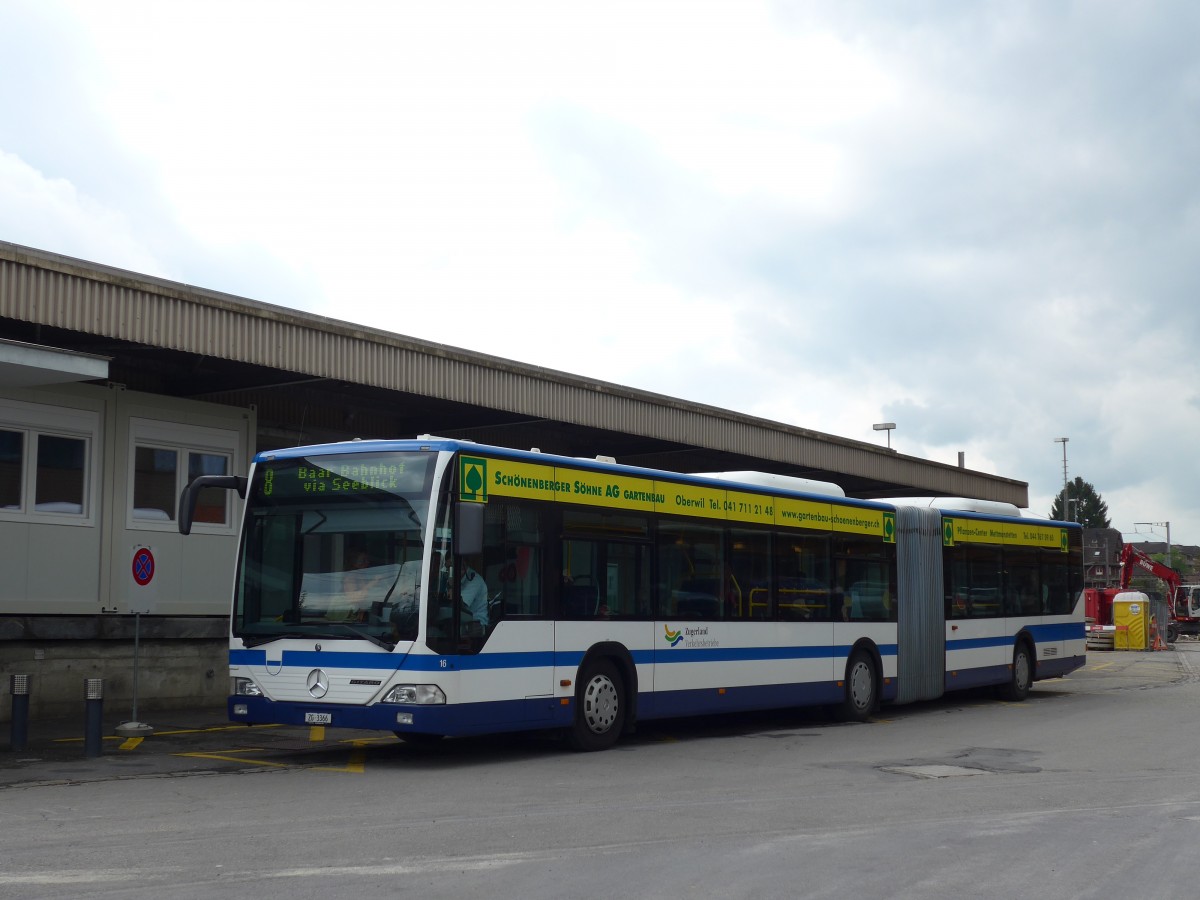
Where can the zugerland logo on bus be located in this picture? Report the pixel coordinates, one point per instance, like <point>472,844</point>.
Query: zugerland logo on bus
<point>472,479</point>
<point>692,637</point>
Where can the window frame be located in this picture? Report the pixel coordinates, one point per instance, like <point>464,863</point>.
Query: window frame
<point>183,440</point>
<point>34,421</point>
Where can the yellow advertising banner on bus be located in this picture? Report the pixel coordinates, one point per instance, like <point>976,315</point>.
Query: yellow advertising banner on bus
<point>1016,534</point>
<point>865,521</point>
<point>803,513</point>
<point>484,477</point>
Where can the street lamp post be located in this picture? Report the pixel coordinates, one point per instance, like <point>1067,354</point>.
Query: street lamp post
<point>885,426</point>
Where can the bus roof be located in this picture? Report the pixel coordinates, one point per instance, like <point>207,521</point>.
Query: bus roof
<point>766,481</point>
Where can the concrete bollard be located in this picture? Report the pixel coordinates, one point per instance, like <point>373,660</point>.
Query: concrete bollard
<point>19,687</point>
<point>93,690</point>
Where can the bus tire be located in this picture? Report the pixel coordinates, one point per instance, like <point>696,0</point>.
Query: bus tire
<point>599,708</point>
<point>1021,676</point>
<point>861,688</point>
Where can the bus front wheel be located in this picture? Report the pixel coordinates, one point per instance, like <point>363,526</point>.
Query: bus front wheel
<point>861,691</point>
<point>599,708</point>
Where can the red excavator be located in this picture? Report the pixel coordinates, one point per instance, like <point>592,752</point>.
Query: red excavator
<point>1182,619</point>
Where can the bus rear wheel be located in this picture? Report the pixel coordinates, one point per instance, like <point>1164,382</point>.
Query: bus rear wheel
<point>599,708</point>
<point>1021,679</point>
<point>861,689</point>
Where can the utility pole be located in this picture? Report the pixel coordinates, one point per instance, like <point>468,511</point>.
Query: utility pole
<point>1066,515</point>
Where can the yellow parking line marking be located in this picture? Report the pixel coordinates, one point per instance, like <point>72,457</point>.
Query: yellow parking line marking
<point>229,757</point>
<point>215,728</point>
<point>131,743</point>
<point>114,737</point>
<point>356,765</point>
<point>316,733</point>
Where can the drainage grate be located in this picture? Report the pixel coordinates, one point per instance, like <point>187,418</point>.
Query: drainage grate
<point>935,771</point>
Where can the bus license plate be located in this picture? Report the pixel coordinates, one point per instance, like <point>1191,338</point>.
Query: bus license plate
<point>318,718</point>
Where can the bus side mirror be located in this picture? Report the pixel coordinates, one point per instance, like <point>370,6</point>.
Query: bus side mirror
<point>187,499</point>
<point>468,529</point>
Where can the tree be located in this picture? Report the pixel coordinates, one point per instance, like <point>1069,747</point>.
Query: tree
<point>1085,506</point>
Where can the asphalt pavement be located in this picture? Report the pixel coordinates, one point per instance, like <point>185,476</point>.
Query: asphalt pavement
<point>203,742</point>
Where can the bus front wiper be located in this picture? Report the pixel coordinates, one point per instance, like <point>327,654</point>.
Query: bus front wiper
<point>354,632</point>
<point>325,629</point>
<point>255,640</point>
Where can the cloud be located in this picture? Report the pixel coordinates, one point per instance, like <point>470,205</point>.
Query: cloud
<point>977,222</point>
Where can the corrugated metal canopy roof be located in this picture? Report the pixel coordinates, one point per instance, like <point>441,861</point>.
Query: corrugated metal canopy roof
<point>315,378</point>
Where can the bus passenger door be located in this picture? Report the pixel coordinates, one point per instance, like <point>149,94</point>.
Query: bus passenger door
<point>603,599</point>
<point>977,648</point>
<point>505,630</point>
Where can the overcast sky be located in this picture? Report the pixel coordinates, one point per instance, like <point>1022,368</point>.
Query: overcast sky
<point>978,221</point>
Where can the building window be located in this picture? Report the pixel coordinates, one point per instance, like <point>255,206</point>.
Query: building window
<point>46,464</point>
<point>212,504</point>
<point>12,463</point>
<point>166,457</point>
<point>60,477</point>
<point>155,474</point>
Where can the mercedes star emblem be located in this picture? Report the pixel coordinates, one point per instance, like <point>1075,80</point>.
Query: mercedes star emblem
<point>318,683</point>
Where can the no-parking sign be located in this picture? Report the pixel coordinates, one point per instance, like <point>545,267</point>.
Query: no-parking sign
<point>143,566</point>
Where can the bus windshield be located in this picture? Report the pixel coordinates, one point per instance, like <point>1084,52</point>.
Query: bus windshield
<point>333,547</point>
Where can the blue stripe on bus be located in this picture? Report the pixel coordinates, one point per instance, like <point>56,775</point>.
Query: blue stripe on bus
<point>533,712</point>
<point>1041,634</point>
<point>452,719</point>
<point>1058,631</point>
<point>961,678</point>
<point>981,676</point>
<point>749,654</point>
<point>572,659</point>
<point>706,701</point>
<point>1003,640</point>
<point>1056,668</point>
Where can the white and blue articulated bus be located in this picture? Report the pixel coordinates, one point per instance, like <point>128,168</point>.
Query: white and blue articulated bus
<point>434,587</point>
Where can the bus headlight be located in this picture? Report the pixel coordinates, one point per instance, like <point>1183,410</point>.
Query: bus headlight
<point>421,694</point>
<point>244,687</point>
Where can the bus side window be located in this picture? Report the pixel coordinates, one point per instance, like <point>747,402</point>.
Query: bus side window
<point>691,571</point>
<point>748,584</point>
<point>512,559</point>
<point>605,579</point>
<point>866,577</point>
<point>801,577</point>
